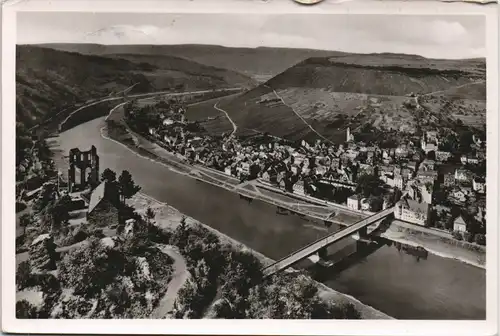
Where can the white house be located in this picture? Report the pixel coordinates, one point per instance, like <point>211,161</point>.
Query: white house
<point>245,168</point>
<point>462,175</point>
<point>459,225</point>
<point>426,193</point>
<point>353,202</point>
<point>469,159</point>
<point>428,164</point>
<point>402,151</point>
<point>320,170</point>
<point>459,195</point>
<point>442,156</point>
<point>399,181</point>
<point>428,146</point>
<point>432,136</point>
<point>365,204</point>
<point>167,122</point>
<point>298,187</point>
<point>479,185</point>
<point>411,211</point>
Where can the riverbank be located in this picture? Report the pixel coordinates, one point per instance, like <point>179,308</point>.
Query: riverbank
<point>168,217</point>
<point>118,131</point>
<point>435,245</point>
<point>432,242</point>
<point>386,279</point>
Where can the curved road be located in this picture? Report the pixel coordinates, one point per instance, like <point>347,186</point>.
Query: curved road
<point>235,127</point>
<point>179,278</point>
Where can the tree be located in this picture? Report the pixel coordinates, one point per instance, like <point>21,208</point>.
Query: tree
<point>23,275</point>
<point>130,107</point>
<point>465,141</point>
<point>25,310</point>
<point>480,239</point>
<point>368,184</point>
<point>127,186</point>
<point>345,311</point>
<point>150,215</point>
<point>23,143</point>
<point>91,268</point>
<point>26,220</point>
<point>376,203</point>
<point>108,175</point>
<point>43,149</point>
<point>46,196</point>
<point>57,213</point>
<point>457,235</point>
<point>468,237</point>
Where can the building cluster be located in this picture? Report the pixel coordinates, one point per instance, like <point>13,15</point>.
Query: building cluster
<point>415,166</point>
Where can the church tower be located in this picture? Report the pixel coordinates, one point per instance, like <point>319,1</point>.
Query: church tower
<point>349,136</point>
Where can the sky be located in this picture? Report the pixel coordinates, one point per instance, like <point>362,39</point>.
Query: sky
<point>433,36</point>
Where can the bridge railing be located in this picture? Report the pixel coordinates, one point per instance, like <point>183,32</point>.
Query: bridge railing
<point>325,241</point>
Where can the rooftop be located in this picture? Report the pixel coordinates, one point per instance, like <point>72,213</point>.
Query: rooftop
<point>415,206</point>
<point>96,196</point>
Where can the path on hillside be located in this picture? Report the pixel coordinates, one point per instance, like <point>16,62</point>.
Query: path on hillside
<point>417,97</point>
<point>179,278</point>
<point>297,114</point>
<point>453,87</point>
<point>235,127</point>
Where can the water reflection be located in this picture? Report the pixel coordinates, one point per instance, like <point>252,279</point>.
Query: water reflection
<point>353,253</point>
<point>417,251</point>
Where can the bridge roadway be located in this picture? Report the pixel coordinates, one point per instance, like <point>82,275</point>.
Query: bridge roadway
<point>324,242</point>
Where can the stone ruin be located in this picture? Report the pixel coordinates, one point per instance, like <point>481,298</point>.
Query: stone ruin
<point>83,161</point>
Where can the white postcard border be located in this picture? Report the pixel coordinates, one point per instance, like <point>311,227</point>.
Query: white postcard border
<point>306,327</point>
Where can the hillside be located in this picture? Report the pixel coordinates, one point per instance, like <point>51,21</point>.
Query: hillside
<point>330,94</point>
<point>48,80</point>
<point>176,67</point>
<point>259,63</point>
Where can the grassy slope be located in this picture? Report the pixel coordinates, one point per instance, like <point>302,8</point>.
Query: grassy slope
<point>48,80</point>
<point>363,89</point>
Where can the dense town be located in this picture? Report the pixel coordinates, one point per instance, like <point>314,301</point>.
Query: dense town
<point>434,179</point>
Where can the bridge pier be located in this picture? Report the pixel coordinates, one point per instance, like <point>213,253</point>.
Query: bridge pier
<point>363,232</point>
<point>323,252</point>
<point>357,229</point>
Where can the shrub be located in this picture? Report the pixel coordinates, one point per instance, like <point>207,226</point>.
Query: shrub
<point>23,275</point>
<point>468,237</point>
<point>80,235</point>
<point>346,311</point>
<point>91,268</point>
<point>480,239</point>
<point>24,310</point>
<point>457,235</point>
<point>47,282</point>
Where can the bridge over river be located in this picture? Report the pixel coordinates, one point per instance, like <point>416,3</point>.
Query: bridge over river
<point>314,247</point>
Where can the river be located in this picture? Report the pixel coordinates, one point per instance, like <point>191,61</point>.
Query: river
<point>392,281</point>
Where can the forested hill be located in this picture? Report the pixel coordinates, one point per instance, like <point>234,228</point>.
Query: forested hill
<point>47,80</point>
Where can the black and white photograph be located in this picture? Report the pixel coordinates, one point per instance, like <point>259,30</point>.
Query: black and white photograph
<point>251,166</point>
